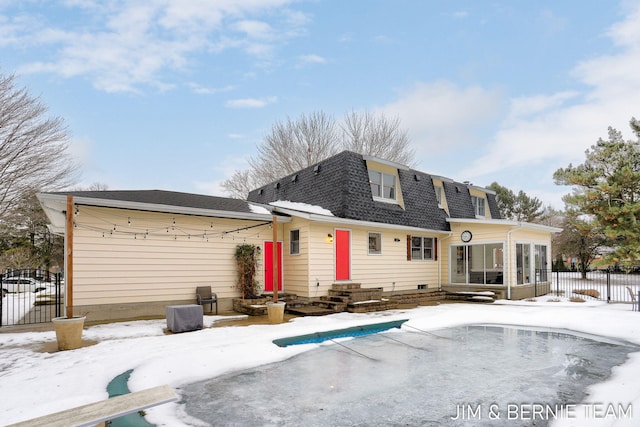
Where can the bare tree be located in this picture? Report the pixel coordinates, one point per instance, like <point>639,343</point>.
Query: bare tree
<point>379,136</point>
<point>33,148</point>
<point>241,182</point>
<point>296,144</point>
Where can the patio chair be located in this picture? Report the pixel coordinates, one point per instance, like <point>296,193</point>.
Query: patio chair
<point>205,296</point>
<point>634,300</point>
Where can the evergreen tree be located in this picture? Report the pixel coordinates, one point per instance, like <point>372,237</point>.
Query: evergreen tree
<point>607,191</point>
<point>517,207</point>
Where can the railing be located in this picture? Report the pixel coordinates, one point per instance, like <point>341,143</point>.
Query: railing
<point>603,285</point>
<point>30,296</point>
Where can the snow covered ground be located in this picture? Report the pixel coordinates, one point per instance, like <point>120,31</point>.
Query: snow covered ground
<point>34,382</point>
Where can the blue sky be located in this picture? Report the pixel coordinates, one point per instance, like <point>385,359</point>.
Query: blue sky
<point>177,94</point>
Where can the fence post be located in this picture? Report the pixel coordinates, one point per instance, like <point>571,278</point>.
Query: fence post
<point>1,298</point>
<point>58,294</point>
<point>608,286</point>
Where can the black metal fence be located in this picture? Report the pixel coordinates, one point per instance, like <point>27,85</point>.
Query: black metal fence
<point>600,285</point>
<point>30,296</point>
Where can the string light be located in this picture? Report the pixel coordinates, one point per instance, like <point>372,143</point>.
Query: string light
<point>94,219</point>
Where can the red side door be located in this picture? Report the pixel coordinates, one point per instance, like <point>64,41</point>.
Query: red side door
<point>268,266</point>
<point>343,254</point>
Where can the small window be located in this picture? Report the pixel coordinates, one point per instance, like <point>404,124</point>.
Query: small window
<point>383,185</point>
<point>478,205</point>
<point>438,194</point>
<point>422,248</point>
<point>294,242</point>
<point>375,243</point>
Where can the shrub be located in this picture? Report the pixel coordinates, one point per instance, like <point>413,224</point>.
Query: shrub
<point>246,262</point>
<point>588,292</point>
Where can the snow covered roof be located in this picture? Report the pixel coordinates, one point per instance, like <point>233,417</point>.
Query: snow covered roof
<point>302,207</point>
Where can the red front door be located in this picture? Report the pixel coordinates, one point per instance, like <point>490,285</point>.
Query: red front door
<point>268,266</point>
<point>343,254</point>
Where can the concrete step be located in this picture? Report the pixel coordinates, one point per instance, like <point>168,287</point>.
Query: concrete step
<point>356,295</point>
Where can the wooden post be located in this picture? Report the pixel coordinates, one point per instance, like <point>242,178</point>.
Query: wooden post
<point>68,273</point>
<point>275,259</point>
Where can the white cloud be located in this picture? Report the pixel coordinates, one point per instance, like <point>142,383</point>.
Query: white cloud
<point>123,45</point>
<point>211,188</point>
<point>201,90</point>
<point>558,128</point>
<point>312,59</point>
<point>460,14</point>
<point>251,102</point>
<point>255,29</point>
<point>441,116</point>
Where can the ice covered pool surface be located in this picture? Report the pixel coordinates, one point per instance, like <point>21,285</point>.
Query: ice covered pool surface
<point>411,378</point>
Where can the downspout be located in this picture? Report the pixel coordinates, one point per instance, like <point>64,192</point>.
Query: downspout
<point>440,260</point>
<point>68,269</point>
<point>508,263</point>
<point>276,273</point>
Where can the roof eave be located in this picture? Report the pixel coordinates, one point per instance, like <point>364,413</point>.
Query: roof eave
<point>355,222</point>
<point>527,225</point>
<point>55,205</point>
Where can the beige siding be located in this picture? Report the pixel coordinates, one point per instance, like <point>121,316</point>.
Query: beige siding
<point>508,235</point>
<point>390,270</point>
<point>136,257</point>
<point>296,267</point>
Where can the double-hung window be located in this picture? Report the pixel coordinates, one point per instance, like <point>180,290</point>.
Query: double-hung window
<point>383,185</point>
<point>478,205</point>
<point>294,242</point>
<point>421,248</point>
<point>375,243</point>
<point>438,190</point>
<point>523,263</point>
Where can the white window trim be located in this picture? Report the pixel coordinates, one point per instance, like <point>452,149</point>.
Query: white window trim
<point>422,258</point>
<point>439,190</point>
<point>369,233</point>
<point>531,246</point>
<point>396,180</point>
<point>475,207</point>
<point>296,253</point>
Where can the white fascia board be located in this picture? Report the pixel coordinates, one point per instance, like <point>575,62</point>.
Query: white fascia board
<point>57,203</point>
<point>385,162</point>
<point>442,178</point>
<point>356,223</point>
<point>525,225</point>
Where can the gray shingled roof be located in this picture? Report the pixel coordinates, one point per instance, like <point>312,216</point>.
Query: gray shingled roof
<point>341,185</point>
<point>168,198</point>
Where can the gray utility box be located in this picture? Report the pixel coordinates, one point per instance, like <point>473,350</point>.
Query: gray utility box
<point>184,318</point>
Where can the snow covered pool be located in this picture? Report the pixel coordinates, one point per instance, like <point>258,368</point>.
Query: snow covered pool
<point>472,375</point>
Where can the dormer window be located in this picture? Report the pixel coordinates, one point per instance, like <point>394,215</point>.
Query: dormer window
<point>438,195</point>
<point>478,206</point>
<point>383,185</point>
<point>384,180</point>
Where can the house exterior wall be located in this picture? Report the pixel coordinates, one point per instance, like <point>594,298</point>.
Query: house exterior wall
<point>509,236</point>
<point>133,263</point>
<point>389,270</point>
<point>130,264</point>
<point>296,266</point>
